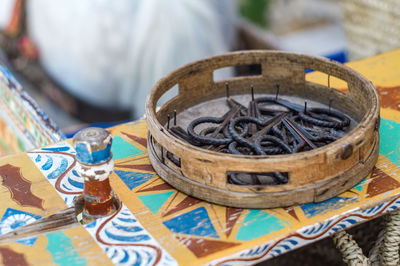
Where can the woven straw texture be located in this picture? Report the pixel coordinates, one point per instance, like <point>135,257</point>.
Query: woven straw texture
<point>371,26</point>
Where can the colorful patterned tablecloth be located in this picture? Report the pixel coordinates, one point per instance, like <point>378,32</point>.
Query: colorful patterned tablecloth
<point>23,124</point>
<point>159,225</point>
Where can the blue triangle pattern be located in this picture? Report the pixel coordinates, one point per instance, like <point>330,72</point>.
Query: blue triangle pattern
<point>133,179</point>
<point>312,209</point>
<point>196,222</point>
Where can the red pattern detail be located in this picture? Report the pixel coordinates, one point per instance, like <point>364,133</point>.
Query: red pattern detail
<point>12,258</point>
<point>291,212</point>
<point>140,140</point>
<point>143,167</point>
<point>19,187</point>
<point>380,183</point>
<point>201,247</point>
<point>184,204</point>
<point>231,215</point>
<point>389,97</point>
<point>159,187</point>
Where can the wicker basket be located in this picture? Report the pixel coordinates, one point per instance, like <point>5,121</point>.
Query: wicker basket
<point>313,175</point>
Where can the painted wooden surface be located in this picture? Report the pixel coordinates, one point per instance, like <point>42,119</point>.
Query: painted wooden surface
<point>159,225</point>
<point>23,125</point>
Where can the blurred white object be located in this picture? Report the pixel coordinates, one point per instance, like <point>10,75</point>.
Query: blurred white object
<point>110,53</point>
<point>6,11</point>
<point>324,40</point>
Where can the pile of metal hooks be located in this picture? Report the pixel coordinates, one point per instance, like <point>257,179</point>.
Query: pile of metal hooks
<point>267,126</point>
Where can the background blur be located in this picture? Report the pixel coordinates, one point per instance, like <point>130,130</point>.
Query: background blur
<point>90,62</point>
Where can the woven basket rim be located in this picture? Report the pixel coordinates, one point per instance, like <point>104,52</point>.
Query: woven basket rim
<point>203,64</point>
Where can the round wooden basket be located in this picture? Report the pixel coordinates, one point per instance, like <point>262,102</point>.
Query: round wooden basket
<point>314,175</point>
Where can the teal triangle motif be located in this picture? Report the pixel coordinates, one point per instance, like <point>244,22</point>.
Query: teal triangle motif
<point>155,201</point>
<point>389,145</point>
<point>360,185</point>
<point>259,223</point>
<point>123,149</point>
